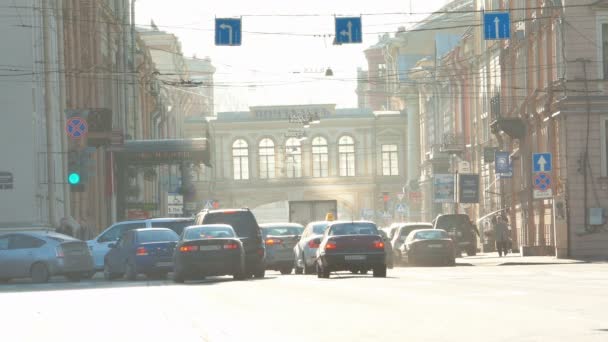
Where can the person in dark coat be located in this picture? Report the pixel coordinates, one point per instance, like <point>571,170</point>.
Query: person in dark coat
<point>501,235</point>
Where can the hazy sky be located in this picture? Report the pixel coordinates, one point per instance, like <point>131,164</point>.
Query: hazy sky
<point>261,70</point>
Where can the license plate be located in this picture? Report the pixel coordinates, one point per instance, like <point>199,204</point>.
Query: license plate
<point>434,246</point>
<point>209,248</point>
<point>164,264</point>
<point>354,257</point>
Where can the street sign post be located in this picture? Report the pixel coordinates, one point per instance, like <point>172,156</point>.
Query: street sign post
<point>348,30</point>
<point>496,25</point>
<point>228,32</point>
<point>542,162</point>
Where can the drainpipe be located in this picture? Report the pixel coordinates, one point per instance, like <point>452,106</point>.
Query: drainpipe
<point>50,123</point>
<point>62,105</point>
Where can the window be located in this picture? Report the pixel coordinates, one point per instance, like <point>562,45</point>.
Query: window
<point>115,232</point>
<point>319,157</point>
<point>604,145</point>
<point>381,71</point>
<point>176,226</point>
<point>353,229</point>
<point>240,159</point>
<point>605,49</point>
<point>294,158</point>
<point>157,236</point>
<point>4,243</point>
<point>390,161</point>
<point>266,159</point>
<point>346,151</point>
<point>210,232</point>
<point>24,242</point>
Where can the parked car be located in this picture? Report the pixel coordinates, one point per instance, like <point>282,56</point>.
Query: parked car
<point>100,245</point>
<point>209,250</point>
<point>41,255</point>
<point>247,229</point>
<point>461,230</point>
<point>143,250</point>
<point>347,246</point>
<point>400,232</point>
<point>428,245</point>
<point>305,250</point>
<point>388,248</point>
<point>280,239</point>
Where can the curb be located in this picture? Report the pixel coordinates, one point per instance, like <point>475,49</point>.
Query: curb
<point>543,263</point>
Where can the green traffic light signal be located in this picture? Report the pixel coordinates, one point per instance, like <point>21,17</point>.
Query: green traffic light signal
<point>74,178</point>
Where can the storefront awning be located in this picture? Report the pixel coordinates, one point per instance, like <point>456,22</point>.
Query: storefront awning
<point>166,151</point>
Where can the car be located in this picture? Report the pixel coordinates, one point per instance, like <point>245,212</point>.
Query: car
<point>280,239</point>
<point>428,245</point>
<point>349,246</point>
<point>247,229</point>
<point>388,248</point>
<point>143,250</point>
<point>41,255</point>
<point>99,246</point>
<point>400,232</point>
<point>208,250</point>
<point>461,230</point>
<point>306,249</point>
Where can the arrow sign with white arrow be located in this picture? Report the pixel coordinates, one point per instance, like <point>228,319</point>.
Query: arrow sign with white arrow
<point>348,30</point>
<point>542,162</point>
<point>496,25</point>
<point>227,32</point>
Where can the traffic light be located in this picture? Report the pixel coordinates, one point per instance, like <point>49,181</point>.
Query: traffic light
<point>77,169</point>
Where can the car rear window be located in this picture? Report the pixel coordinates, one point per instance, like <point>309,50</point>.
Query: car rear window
<point>407,230</point>
<point>354,228</point>
<point>196,233</point>
<point>453,221</point>
<point>243,222</point>
<point>281,231</point>
<point>156,236</point>
<point>176,226</point>
<point>431,235</point>
<point>319,228</point>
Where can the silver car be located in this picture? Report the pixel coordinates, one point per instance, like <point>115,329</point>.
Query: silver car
<point>280,239</point>
<point>306,249</point>
<point>41,255</point>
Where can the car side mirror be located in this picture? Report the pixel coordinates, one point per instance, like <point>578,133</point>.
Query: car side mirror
<point>112,245</point>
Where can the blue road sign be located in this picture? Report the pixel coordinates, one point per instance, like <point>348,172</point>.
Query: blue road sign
<point>227,31</point>
<point>348,30</point>
<point>501,161</point>
<point>542,162</point>
<point>401,208</point>
<point>496,25</point>
<point>542,181</point>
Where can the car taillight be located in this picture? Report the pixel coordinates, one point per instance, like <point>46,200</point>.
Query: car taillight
<point>313,244</point>
<point>185,249</point>
<point>379,244</point>
<point>271,242</point>
<point>59,252</point>
<point>231,246</point>
<point>141,251</point>
<point>330,245</point>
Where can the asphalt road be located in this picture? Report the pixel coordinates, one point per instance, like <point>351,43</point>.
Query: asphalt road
<point>500,303</point>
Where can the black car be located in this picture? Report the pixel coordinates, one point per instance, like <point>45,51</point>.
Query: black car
<point>428,245</point>
<point>349,246</point>
<point>247,229</point>
<point>460,228</point>
<point>208,250</point>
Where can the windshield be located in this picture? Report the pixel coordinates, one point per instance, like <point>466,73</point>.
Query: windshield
<point>281,231</point>
<point>243,222</point>
<point>431,235</point>
<point>156,236</point>
<point>176,226</point>
<point>319,229</point>
<point>353,229</point>
<point>208,233</point>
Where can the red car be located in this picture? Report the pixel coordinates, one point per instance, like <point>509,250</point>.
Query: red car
<point>351,246</point>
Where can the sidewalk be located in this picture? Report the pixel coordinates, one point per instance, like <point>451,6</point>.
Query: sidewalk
<point>492,259</point>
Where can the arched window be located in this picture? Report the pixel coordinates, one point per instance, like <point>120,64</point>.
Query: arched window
<point>293,155</point>
<point>319,157</point>
<point>346,152</point>
<point>240,159</point>
<point>266,158</point>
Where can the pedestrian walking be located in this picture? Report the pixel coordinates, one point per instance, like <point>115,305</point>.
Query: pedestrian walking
<point>501,235</point>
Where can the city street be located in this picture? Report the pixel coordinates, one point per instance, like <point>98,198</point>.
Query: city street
<point>492,303</point>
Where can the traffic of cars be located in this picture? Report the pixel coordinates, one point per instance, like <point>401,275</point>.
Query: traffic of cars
<point>231,242</point>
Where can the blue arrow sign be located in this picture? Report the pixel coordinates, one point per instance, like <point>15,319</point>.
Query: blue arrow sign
<point>227,32</point>
<point>348,30</point>
<point>496,25</point>
<point>542,162</point>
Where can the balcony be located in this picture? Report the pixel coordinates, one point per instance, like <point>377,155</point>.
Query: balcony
<point>452,143</point>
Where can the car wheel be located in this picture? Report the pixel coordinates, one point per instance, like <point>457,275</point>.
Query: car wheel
<point>363,271</point>
<point>130,271</point>
<point>260,271</point>
<point>472,251</point>
<point>380,271</point>
<point>240,273</point>
<point>354,270</point>
<point>451,261</point>
<point>322,272</point>
<point>298,270</point>
<point>75,277</point>
<point>286,270</point>
<point>178,276</point>
<point>307,269</point>
<point>39,273</point>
